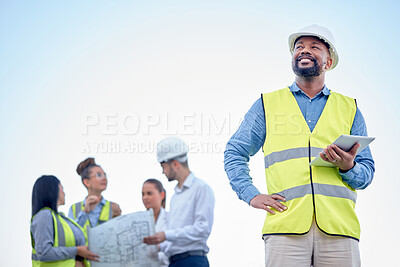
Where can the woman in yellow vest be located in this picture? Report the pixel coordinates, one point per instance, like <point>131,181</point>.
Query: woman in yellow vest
<point>57,241</point>
<point>94,210</point>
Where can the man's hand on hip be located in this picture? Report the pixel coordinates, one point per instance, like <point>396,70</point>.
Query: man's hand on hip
<point>342,159</point>
<point>266,202</point>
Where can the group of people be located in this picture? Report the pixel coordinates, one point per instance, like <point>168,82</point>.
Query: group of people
<point>311,218</point>
<point>182,233</point>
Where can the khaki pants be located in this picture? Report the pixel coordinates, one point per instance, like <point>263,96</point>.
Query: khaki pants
<point>312,249</point>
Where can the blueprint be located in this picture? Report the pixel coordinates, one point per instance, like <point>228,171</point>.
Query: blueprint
<point>119,242</point>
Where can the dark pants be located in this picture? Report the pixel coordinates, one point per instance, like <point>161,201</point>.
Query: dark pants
<point>191,261</point>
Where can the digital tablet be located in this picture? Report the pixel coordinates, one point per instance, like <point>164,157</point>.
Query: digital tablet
<point>344,142</point>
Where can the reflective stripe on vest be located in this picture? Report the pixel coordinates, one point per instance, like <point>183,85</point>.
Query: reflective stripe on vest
<point>105,213</point>
<point>63,237</point>
<point>291,153</point>
<point>309,191</point>
<point>321,189</point>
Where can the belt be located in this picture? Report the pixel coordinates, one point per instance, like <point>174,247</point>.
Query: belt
<point>181,256</point>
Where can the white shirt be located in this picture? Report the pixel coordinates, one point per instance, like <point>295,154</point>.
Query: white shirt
<point>191,217</point>
<point>161,225</point>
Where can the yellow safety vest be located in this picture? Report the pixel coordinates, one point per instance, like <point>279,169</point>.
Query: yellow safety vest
<point>309,191</point>
<point>63,237</point>
<point>105,213</point>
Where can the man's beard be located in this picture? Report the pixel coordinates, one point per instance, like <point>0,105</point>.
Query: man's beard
<point>313,71</point>
<point>172,176</point>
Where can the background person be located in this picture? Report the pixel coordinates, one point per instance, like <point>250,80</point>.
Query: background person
<point>94,209</point>
<point>56,239</point>
<point>154,197</point>
<point>192,209</point>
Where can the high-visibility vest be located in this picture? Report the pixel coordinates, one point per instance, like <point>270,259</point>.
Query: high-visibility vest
<point>63,237</point>
<point>310,192</point>
<point>105,213</point>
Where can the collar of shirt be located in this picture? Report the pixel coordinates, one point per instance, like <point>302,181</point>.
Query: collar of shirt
<point>187,183</point>
<point>102,201</point>
<point>294,88</point>
<point>161,220</point>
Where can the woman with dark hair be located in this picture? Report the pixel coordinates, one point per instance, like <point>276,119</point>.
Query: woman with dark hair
<point>56,240</point>
<point>94,209</point>
<point>153,197</point>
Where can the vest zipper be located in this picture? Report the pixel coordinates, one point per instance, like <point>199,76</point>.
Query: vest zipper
<point>311,181</point>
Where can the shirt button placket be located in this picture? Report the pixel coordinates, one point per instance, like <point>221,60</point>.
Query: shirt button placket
<point>309,113</point>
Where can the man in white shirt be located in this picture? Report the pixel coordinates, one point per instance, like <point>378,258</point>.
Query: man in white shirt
<point>192,209</point>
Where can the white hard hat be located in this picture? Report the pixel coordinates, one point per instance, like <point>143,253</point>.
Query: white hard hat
<point>172,148</point>
<point>321,33</point>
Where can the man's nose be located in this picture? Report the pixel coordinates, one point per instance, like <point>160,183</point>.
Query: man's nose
<point>304,51</point>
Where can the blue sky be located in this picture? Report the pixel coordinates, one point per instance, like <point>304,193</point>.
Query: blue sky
<point>62,61</point>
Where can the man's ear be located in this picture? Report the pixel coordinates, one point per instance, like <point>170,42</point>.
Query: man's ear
<point>328,63</point>
<point>175,163</point>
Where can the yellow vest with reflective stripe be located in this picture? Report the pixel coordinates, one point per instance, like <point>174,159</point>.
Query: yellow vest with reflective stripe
<point>63,236</point>
<point>309,191</point>
<point>105,213</point>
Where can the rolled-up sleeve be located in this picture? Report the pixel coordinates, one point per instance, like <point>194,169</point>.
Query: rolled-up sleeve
<point>361,175</point>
